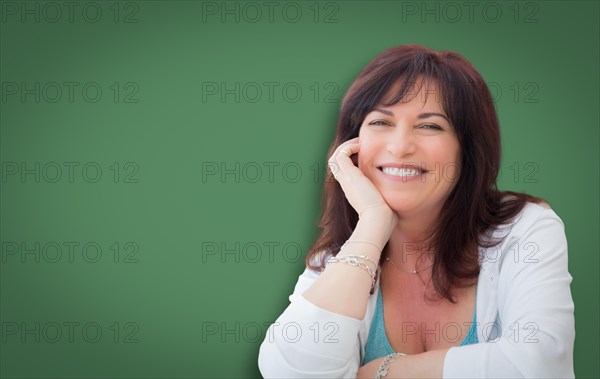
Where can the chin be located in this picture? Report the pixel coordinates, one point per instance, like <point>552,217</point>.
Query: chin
<point>402,203</point>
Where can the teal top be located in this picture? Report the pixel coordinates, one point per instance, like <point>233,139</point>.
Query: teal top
<point>378,345</point>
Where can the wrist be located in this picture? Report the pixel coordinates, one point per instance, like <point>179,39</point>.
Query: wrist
<point>380,221</point>
<point>384,367</point>
<point>381,210</point>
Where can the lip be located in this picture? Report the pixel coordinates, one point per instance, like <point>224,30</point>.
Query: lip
<point>402,179</point>
<point>402,165</point>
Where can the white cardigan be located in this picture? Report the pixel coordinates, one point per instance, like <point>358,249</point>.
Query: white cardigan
<point>525,316</point>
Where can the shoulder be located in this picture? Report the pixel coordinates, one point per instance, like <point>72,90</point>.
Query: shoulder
<point>537,230</point>
<point>532,214</point>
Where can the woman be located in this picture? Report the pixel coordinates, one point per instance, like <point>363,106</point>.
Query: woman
<point>439,274</point>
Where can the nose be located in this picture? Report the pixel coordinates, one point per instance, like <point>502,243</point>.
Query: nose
<point>401,142</point>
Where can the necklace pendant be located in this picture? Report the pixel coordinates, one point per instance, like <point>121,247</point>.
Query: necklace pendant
<point>413,272</point>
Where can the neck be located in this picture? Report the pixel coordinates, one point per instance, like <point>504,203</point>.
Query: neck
<point>408,246</point>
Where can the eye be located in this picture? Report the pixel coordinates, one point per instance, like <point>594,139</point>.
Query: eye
<point>379,123</point>
<point>430,126</point>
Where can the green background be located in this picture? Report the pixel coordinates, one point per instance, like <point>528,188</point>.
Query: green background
<point>181,269</point>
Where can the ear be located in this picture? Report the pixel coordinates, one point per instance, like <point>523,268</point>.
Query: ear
<point>354,158</point>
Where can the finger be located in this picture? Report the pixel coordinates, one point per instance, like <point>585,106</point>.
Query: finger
<point>344,160</point>
<point>352,141</point>
<point>340,161</point>
<point>345,149</point>
<point>349,148</point>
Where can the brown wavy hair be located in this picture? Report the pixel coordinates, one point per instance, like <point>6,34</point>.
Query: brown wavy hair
<point>475,207</point>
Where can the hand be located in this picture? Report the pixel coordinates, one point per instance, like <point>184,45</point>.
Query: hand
<point>369,370</point>
<point>359,190</point>
<point>429,364</point>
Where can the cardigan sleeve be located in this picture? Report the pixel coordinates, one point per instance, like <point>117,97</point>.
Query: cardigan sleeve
<point>307,341</point>
<point>535,309</point>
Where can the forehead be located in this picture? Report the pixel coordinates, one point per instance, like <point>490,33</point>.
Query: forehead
<point>426,93</point>
<point>406,90</point>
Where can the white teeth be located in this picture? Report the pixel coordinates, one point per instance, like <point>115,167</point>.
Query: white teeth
<point>401,171</point>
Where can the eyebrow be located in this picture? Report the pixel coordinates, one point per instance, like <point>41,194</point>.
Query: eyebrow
<point>420,116</point>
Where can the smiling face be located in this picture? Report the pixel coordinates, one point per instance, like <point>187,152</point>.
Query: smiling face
<point>411,152</point>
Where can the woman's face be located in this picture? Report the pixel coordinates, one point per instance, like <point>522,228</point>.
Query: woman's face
<point>411,153</point>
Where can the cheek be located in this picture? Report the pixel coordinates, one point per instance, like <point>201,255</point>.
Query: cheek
<point>451,167</point>
<point>369,145</point>
<point>451,172</point>
<point>361,161</point>
<point>365,154</point>
<point>446,152</point>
